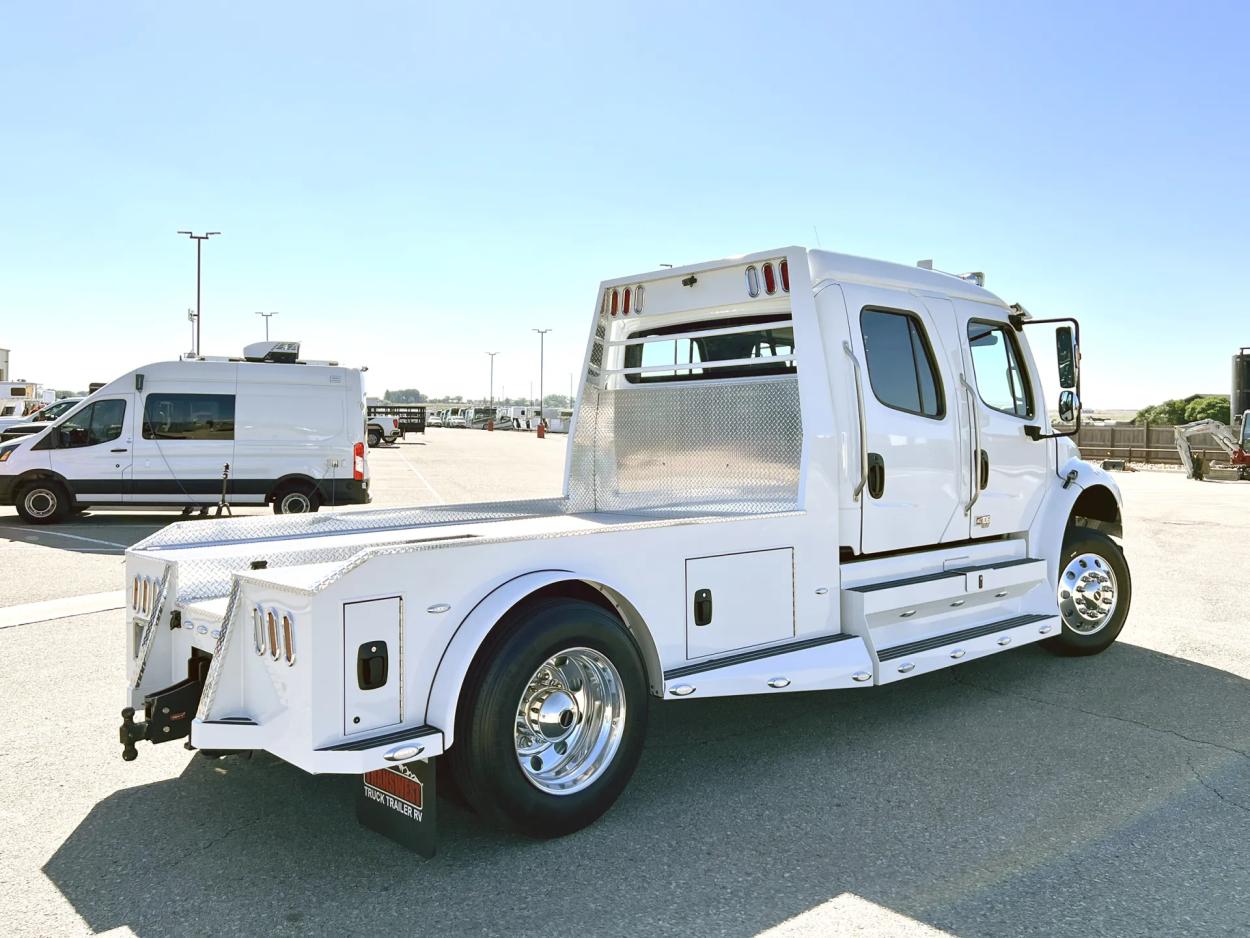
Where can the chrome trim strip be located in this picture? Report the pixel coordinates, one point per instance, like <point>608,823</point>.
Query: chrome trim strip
<point>863,425</point>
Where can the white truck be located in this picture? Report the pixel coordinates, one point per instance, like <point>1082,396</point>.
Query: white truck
<point>382,428</point>
<point>788,471</point>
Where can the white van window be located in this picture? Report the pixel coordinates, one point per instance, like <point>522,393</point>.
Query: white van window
<point>188,417</point>
<point>98,423</point>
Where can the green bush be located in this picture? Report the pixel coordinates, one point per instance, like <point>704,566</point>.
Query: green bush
<point>1194,407</point>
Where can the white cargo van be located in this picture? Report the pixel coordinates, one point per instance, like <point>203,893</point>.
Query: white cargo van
<point>265,429</point>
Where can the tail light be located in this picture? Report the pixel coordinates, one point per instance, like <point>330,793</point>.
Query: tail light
<point>770,279</point>
<point>616,299</point>
<point>358,462</point>
<point>753,281</point>
<point>625,305</point>
<point>288,639</point>
<point>784,266</point>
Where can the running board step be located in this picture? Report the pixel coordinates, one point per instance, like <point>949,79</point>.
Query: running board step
<point>941,651</point>
<point>896,612</point>
<point>824,662</point>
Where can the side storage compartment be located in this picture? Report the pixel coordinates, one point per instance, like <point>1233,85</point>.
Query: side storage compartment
<point>371,664</point>
<point>735,601</point>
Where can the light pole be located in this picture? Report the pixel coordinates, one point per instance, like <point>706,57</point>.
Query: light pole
<point>199,240</point>
<point>542,333</point>
<point>266,315</point>
<point>492,378</point>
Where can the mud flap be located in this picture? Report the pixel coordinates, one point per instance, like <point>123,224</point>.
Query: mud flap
<point>400,802</point>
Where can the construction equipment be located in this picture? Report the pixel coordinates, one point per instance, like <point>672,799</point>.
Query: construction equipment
<point>1235,441</point>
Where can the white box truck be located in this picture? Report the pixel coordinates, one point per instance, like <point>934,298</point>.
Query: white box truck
<point>266,428</point>
<point>788,471</point>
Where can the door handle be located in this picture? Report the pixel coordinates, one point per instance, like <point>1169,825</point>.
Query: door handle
<point>985,469</point>
<point>876,475</point>
<point>117,451</point>
<point>863,427</point>
<point>702,607</point>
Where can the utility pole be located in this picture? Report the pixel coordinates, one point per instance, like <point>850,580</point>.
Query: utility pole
<point>492,378</point>
<point>542,334</point>
<point>199,243</point>
<point>266,315</point>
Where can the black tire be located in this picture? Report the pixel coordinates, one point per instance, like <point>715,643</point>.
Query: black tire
<point>1077,543</point>
<point>374,438</point>
<point>484,759</point>
<point>43,501</point>
<point>296,500</point>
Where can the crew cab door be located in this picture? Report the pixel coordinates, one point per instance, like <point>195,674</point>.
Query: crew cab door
<point>913,478</point>
<point>1013,469</point>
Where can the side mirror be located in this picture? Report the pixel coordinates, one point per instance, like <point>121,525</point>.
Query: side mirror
<point>1068,356</point>
<point>1069,406</point>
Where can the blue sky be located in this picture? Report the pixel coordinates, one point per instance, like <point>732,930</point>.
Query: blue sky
<point>414,185</point>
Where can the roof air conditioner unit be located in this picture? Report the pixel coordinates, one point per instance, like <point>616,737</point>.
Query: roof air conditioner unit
<point>287,352</point>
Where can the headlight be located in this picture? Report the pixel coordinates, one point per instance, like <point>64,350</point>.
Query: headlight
<point>6,453</point>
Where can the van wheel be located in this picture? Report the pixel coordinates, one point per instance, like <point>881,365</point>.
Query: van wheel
<point>43,502</point>
<point>1094,592</point>
<point>374,438</point>
<point>551,720</point>
<point>295,501</point>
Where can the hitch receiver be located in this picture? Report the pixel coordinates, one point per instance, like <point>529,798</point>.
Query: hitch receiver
<point>167,713</point>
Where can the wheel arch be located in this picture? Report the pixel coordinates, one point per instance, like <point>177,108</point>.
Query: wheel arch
<point>44,475</point>
<point>1097,507</point>
<point>490,618</point>
<point>287,481</point>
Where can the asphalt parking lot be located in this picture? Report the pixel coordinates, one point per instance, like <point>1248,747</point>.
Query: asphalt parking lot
<point>1018,795</point>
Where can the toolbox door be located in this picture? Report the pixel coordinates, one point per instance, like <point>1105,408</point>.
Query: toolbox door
<point>371,664</point>
<point>737,600</point>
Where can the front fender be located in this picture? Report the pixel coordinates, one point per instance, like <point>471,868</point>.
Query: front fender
<point>1046,536</point>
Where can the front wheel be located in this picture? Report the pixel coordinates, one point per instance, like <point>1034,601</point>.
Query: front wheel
<point>551,720</point>
<point>43,502</point>
<point>1093,592</point>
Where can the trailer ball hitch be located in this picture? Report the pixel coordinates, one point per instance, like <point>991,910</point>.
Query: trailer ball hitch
<point>130,733</point>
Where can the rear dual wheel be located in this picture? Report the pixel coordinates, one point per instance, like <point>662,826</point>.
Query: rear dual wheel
<point>551,720</point>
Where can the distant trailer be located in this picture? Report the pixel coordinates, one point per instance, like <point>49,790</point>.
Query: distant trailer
<point>411,416</point>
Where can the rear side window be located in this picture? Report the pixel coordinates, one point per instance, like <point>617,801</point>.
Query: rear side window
<point>901,368</point>
<point>188,417</point>
<point>680,358</point>
<point>1001,382</point>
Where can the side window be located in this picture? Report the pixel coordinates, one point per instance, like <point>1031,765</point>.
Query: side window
<point>101,422</point>
<point>1001,381</point>
<point>901,368</point>
<point>188,417</point>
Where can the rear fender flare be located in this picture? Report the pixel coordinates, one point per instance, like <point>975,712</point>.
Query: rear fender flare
<point>453,668</point>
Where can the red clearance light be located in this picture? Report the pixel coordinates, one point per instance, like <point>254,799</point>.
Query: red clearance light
<point>785,274</point>
<point>770,279</point>
<point>616,298</point>
<point>358,462</point>
<point>625,305</point>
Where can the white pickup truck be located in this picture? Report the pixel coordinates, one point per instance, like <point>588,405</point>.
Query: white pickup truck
<point>788,471</point>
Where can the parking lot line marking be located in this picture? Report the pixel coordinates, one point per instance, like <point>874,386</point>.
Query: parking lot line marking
<point>72,537</point>
<point>26,613</point>
<point>424,480</point>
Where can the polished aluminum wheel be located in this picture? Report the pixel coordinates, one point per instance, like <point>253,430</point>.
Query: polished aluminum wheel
<point>1087,593</point>
<point>570,721</point>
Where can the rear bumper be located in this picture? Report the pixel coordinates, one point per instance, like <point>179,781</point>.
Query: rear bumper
<point>344,492</point>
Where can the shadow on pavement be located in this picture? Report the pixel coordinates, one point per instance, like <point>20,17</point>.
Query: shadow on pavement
<point>1020,795</point>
